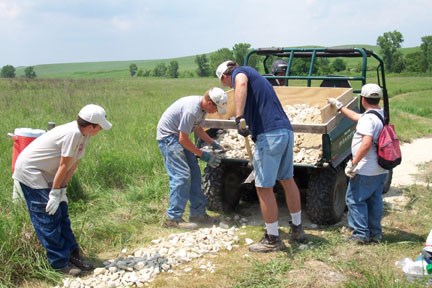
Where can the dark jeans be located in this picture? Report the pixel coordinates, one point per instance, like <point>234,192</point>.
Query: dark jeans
<point>53,231</point>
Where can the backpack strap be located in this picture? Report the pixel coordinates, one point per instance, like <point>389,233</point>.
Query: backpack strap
<point>376,113</point>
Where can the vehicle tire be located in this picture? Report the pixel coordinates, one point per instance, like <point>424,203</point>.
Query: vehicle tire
<point>221,185</point>
<point>387,182</point>
<point>325,199</point>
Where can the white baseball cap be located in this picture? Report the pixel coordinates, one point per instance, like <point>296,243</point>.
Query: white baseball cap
<point>371,91</point>
<point>222,68</point>
<point>95,114</point>
<point>219,97</point>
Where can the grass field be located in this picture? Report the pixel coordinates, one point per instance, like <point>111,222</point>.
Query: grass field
<point>119,193</point>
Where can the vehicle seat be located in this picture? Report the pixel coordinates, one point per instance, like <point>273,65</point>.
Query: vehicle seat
<point>335,83</point>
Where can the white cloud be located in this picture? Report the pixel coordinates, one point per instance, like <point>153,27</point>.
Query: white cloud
<point>109,30</point>
<point>9,10</point>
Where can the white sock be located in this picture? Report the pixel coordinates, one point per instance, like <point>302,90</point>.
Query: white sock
<point>272,228</point>
<point>296,218</point>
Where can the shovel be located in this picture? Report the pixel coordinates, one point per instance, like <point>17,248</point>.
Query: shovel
<point>251,176</point>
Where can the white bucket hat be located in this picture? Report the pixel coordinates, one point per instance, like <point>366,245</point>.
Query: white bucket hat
<point>219,97</point>
<point>95,114</point>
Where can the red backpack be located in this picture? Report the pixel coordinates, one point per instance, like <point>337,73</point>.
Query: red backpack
<point>388,148</point>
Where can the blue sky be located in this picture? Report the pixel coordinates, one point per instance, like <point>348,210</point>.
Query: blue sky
<point>36,32</point>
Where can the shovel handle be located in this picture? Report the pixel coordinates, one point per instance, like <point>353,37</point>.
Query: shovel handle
<point>247,143</point>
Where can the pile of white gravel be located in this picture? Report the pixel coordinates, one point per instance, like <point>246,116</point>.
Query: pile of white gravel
<point>142,265</point>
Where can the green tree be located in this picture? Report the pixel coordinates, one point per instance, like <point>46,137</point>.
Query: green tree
<point>29,72</point>
<point>218,57</point>
<point>172,70</point>
<point>323,67</point>
<point>426,48</point>
<point>240,51</point>
<point>203,69</point>
<point>133,68</point>
<point>339,65</point>
<point>8,71</point>
<point>160,70</point>
<point>413,62</point>
<point>389,43</point>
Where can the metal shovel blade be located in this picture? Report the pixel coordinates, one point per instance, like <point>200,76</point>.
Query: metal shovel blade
<point>250,178</point>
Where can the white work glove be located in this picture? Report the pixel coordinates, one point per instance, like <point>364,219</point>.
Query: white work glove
<point>63,195</point>
<point>350,169</point>
<point>334,102</point>
<point>53,201</point>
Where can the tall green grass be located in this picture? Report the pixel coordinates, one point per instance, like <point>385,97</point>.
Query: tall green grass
<point>121,187</point>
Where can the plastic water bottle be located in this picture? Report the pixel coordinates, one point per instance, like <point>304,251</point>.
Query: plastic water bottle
<point>412,269</point>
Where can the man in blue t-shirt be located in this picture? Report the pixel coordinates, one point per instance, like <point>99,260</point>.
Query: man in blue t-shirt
<point>256,101</point>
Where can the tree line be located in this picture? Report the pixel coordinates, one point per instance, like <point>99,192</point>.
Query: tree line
<point>389,43</point>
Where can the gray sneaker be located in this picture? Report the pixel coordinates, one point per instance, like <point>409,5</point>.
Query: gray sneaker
<point>297,233</point>
<point>204,220</point>
<point>180,224</point>
<point>70,270</point>
<point>269,243</point>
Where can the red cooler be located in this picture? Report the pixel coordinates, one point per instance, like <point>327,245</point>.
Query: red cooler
<point>23,137</point>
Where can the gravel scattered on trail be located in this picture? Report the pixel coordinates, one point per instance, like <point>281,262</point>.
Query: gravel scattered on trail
<point>140,267</point>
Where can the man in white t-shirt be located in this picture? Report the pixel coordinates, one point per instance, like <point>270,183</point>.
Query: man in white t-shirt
<point>366,177</point>
<point>43,170</point>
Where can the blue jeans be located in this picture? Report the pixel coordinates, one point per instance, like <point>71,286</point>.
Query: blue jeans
<point>53,231</point>
<point>365,205</point>
<point>184,179</point>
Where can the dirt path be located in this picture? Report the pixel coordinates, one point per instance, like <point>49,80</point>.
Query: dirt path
<point>413,154</point>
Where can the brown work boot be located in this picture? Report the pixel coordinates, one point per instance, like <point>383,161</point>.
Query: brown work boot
<point>77,260</point>
<point>70,270</point>
<point>297,233</point>
<point>180,224</point>
<point>204,220</point>
<point>269,243</point>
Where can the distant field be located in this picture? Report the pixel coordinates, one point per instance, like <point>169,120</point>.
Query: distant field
<point>111,69</point>
<point>120,69</point>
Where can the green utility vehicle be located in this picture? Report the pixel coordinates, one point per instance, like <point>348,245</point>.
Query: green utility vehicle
<point>312,76</point>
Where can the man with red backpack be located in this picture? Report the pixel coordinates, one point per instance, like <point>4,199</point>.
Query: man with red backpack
<point>366,176</point>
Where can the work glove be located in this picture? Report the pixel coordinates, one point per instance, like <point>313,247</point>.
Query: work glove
<point>212,159</point>
<point>63,195</point>
<point>217,146</point>
<point>350,169</point>
<point>336,103</point>
<point>53,201</point>
<point>242,129</point>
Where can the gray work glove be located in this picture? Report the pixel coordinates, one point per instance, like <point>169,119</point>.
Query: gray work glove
<point>63,195</point>
<point>217,146</point>
<point>336,103</point>
<point>212,159</point>
<point>350,169</point>
<point>53,201</point>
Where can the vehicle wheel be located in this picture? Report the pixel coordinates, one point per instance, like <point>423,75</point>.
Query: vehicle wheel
<point>387,182</point>
<point>325,199</point>
<point>221,186</point>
